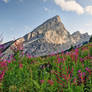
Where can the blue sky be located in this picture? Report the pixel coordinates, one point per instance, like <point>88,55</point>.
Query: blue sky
<point>19,17</point>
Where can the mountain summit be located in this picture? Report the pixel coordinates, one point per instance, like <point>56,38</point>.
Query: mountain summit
<point>49,37</point>
<point>53,31</point>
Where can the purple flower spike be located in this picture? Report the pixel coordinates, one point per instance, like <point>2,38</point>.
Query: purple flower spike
<point>86,69</point>
<point>79,71</point>
<point>81,59</point>
<point>9,61</point>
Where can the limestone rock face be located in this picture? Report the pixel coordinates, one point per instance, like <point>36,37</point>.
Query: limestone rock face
<point>49,37</point>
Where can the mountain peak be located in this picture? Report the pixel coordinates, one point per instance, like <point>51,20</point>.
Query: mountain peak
<point>76,33</point>
<point>57,17</point>
<point>49,37</point>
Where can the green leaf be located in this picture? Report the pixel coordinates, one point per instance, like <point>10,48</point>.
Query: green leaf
<point>36,84</point>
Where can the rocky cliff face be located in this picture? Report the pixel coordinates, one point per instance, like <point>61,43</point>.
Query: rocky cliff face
<point>52,31</point>
<point>49,37</point>
<point>78,38</point>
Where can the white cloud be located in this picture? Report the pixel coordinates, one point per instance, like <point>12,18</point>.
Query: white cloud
<point>70,5</point>
<point>88,9</point>
<point>5,1</point>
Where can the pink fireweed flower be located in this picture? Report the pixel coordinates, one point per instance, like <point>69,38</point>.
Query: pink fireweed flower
<point>86,68</point>
<point>41,81</point>
<point>11,56</point>
<point>29,56</point>
<point>67,53</point>
<point>81,59</point>
<point>20,65</point>
<point>50,82</point>
<point>59,60</point>
<point>1,75</point>
<point>81,76</point>
<point>79,71</point>
<point>9,61</point>
<point>90,57</point>
<point>62,51</point>
<point>21,48</point>
<point>89,70</point>
<point>68,77</point>
<point>3,64</point>
<point>76,51</point>
<point>52,54</point>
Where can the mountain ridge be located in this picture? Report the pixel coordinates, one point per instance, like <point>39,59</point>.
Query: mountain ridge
<point>48,38</point>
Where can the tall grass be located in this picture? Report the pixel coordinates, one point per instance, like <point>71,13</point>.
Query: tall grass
<point>65,72</point>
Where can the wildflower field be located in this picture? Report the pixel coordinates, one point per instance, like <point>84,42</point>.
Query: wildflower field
<point>64,72</point>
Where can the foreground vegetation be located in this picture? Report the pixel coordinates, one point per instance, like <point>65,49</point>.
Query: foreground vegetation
<point>65,72</point>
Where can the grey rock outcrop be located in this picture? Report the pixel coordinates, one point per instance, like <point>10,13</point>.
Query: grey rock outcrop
<point>78,38</point>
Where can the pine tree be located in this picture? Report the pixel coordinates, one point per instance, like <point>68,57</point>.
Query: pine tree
<point>90,39</point>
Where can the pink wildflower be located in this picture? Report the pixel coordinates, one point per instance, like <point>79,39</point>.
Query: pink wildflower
<point>20,65</point>
<point>9,61</point>
<point>3,64</point>
<point>1,75</point>
<point>79,71</point>
<point>41,81</point>
<point>81,59</point>
<point>86,69</point>
<point>50,82</point>
<point>59,59</point>
<point>29,56</point>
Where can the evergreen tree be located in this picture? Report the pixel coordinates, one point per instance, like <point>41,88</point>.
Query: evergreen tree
<point>90,39</point>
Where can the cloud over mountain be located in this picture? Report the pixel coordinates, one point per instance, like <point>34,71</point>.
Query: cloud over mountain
<point>70,5</point>
<point>74,6</point>
<point>88,9</point>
